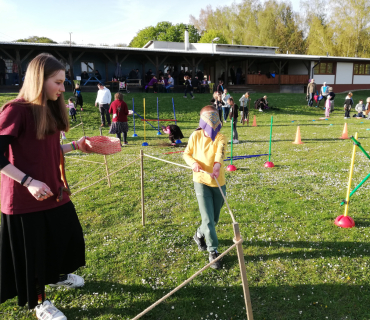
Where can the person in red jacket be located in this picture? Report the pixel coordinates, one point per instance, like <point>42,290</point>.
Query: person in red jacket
<point>120,111</point>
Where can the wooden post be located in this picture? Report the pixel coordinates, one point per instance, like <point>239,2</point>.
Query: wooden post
<point>226,73</point>
<point>243,272</point>
<point>18,62</point>
<point>105,162</point>
<point>142,187</point>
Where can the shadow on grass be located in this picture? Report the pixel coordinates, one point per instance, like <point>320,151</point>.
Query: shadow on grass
<point>306,301</point>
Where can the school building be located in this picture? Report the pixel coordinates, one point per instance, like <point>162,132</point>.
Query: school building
<point>242,68</point>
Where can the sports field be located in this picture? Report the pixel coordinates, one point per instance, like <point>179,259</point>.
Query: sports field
<point>299,264</point>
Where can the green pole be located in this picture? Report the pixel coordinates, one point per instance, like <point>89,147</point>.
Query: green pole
<point>232,137</point>
<point>361,148</point>
<point>359,185</point>
<point>270,139</point>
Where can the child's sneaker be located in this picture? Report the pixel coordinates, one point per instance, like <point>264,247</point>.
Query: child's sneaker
<point>192,97</point>
<point>235,141</point>
<point>200,242</point>
<point>185,96</point>
<point>72,281</point>
<point>260,109</point>
<point>124,144</point>
<point>173,143</point>
<point>212,256</point>
<point>47,311</point>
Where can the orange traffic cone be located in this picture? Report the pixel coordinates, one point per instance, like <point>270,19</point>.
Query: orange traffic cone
<point>345,132</point>
<point>254,122</point>
<point>298,137</point>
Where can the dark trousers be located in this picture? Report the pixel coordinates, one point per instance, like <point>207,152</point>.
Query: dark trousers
<point>186,91</point>
<point>235,133</point>
<point>318,101</point>
<point>104,112</point>
<point>346,113</point>
<point>311,100</point>
<point>118,135</point>
<point>2,78</point>
<point>220,115</point>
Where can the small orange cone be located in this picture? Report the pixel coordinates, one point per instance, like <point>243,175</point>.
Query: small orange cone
<point>254,122</point>
<point>345,132</point>
<point>298,137</point>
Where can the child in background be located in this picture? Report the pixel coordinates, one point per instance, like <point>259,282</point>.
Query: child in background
<point>174,133</point>
<point>367,108</point>
<point>188,87</point>
<point>119,123</point>
<point>360,109</point>
<point>234,117</point>
<point>244,107</point>
<point>72,109</point>
<point>327,106</point>
<point>348,105</point>
<point>206,151</point>
<point>78,95</point>
<point>225,107</point>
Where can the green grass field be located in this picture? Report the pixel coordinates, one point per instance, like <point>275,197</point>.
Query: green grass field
<point>299,264</point>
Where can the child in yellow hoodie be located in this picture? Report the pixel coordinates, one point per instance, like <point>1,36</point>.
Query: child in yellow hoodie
<point>206,151</point>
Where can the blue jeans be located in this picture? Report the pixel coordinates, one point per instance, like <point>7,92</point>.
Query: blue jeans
<point>168,87</point>
<point>226,112</point>
<point>310,100</point>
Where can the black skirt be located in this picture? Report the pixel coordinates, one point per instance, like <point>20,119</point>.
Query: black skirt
<point>36,248</point>
<point>118,127</point>
<point>175,132</point>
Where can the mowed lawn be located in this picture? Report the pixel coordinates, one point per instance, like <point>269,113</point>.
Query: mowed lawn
<point>299,264</point>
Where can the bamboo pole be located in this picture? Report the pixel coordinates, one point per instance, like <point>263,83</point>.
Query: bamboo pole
<point>106,163</point>
<point>142,187</point>
<point>243,272</point>
<point>350,177</point>
<point>186,281</point>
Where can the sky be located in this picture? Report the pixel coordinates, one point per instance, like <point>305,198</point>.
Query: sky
<point>95,22</point>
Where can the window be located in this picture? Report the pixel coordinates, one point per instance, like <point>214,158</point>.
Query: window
<point>9,66</point>
<point>87,66</point>
<point>324,68</point>
<point>361,68</point>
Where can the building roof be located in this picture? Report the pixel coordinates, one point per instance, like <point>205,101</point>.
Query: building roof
<point>201,50</point>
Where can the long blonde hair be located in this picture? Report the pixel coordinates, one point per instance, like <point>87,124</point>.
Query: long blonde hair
<point>49,116</point>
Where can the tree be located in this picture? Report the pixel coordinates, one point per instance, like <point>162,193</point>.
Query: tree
<point>67,42</point>
<point>36,39</point>
<point>120,45</point>
<point>209,35</point>
<point>164,31</point>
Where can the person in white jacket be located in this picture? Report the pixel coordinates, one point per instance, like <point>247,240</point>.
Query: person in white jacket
<point>226,106</point>
<point>244,107</point>
<point>103,99</point>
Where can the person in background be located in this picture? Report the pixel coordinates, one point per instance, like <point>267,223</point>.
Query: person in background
<point>234,109</point>
<point>71,109</point>
<point>311,89</point>
<point>225,107</point>
<point>41,238</point>
<point>161,84</point>
<point>348,103</point>
<point>77,93</point>
<point>195,83</point>
<point>170,83</point>
<point>332,97</point>
<point>97,75</point>
<point>103,100</point>
<point>188,87</point>
<point>15,74</point>
<point>119,121</point>
<point>220,87</point>
<point>324,91</point>
<point>359,109</point>
<point>2,71</point>
<point>206,151</point>
<point>218,103</point>
<point>244,107</point>
<point>367,108</point>
<point>152,83</point>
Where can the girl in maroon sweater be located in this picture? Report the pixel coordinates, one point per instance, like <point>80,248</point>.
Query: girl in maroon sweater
<point>120,111</point>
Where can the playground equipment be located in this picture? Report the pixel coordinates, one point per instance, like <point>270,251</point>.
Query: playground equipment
<point>298,137</point>
<point>345,132</point>
<point>269,164</point>
<point>358,144</point>
<point>174,114</point>
<point>344,221</point>
<point>133,109</point>
<point>145,144</point>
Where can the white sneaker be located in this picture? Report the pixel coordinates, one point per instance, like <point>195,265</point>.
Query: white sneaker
<point>345,117</point>
<point>260,109</point>
<point>73,281</point>
<point>235,141</point>
<point>185,96</point>
<point>192,97</point>
<point>47,311</point>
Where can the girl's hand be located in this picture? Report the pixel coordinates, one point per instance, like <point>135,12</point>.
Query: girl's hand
<point>216,170</point>
<point>196,167</point>
<point>82,144</point>
<point>39,190</point>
